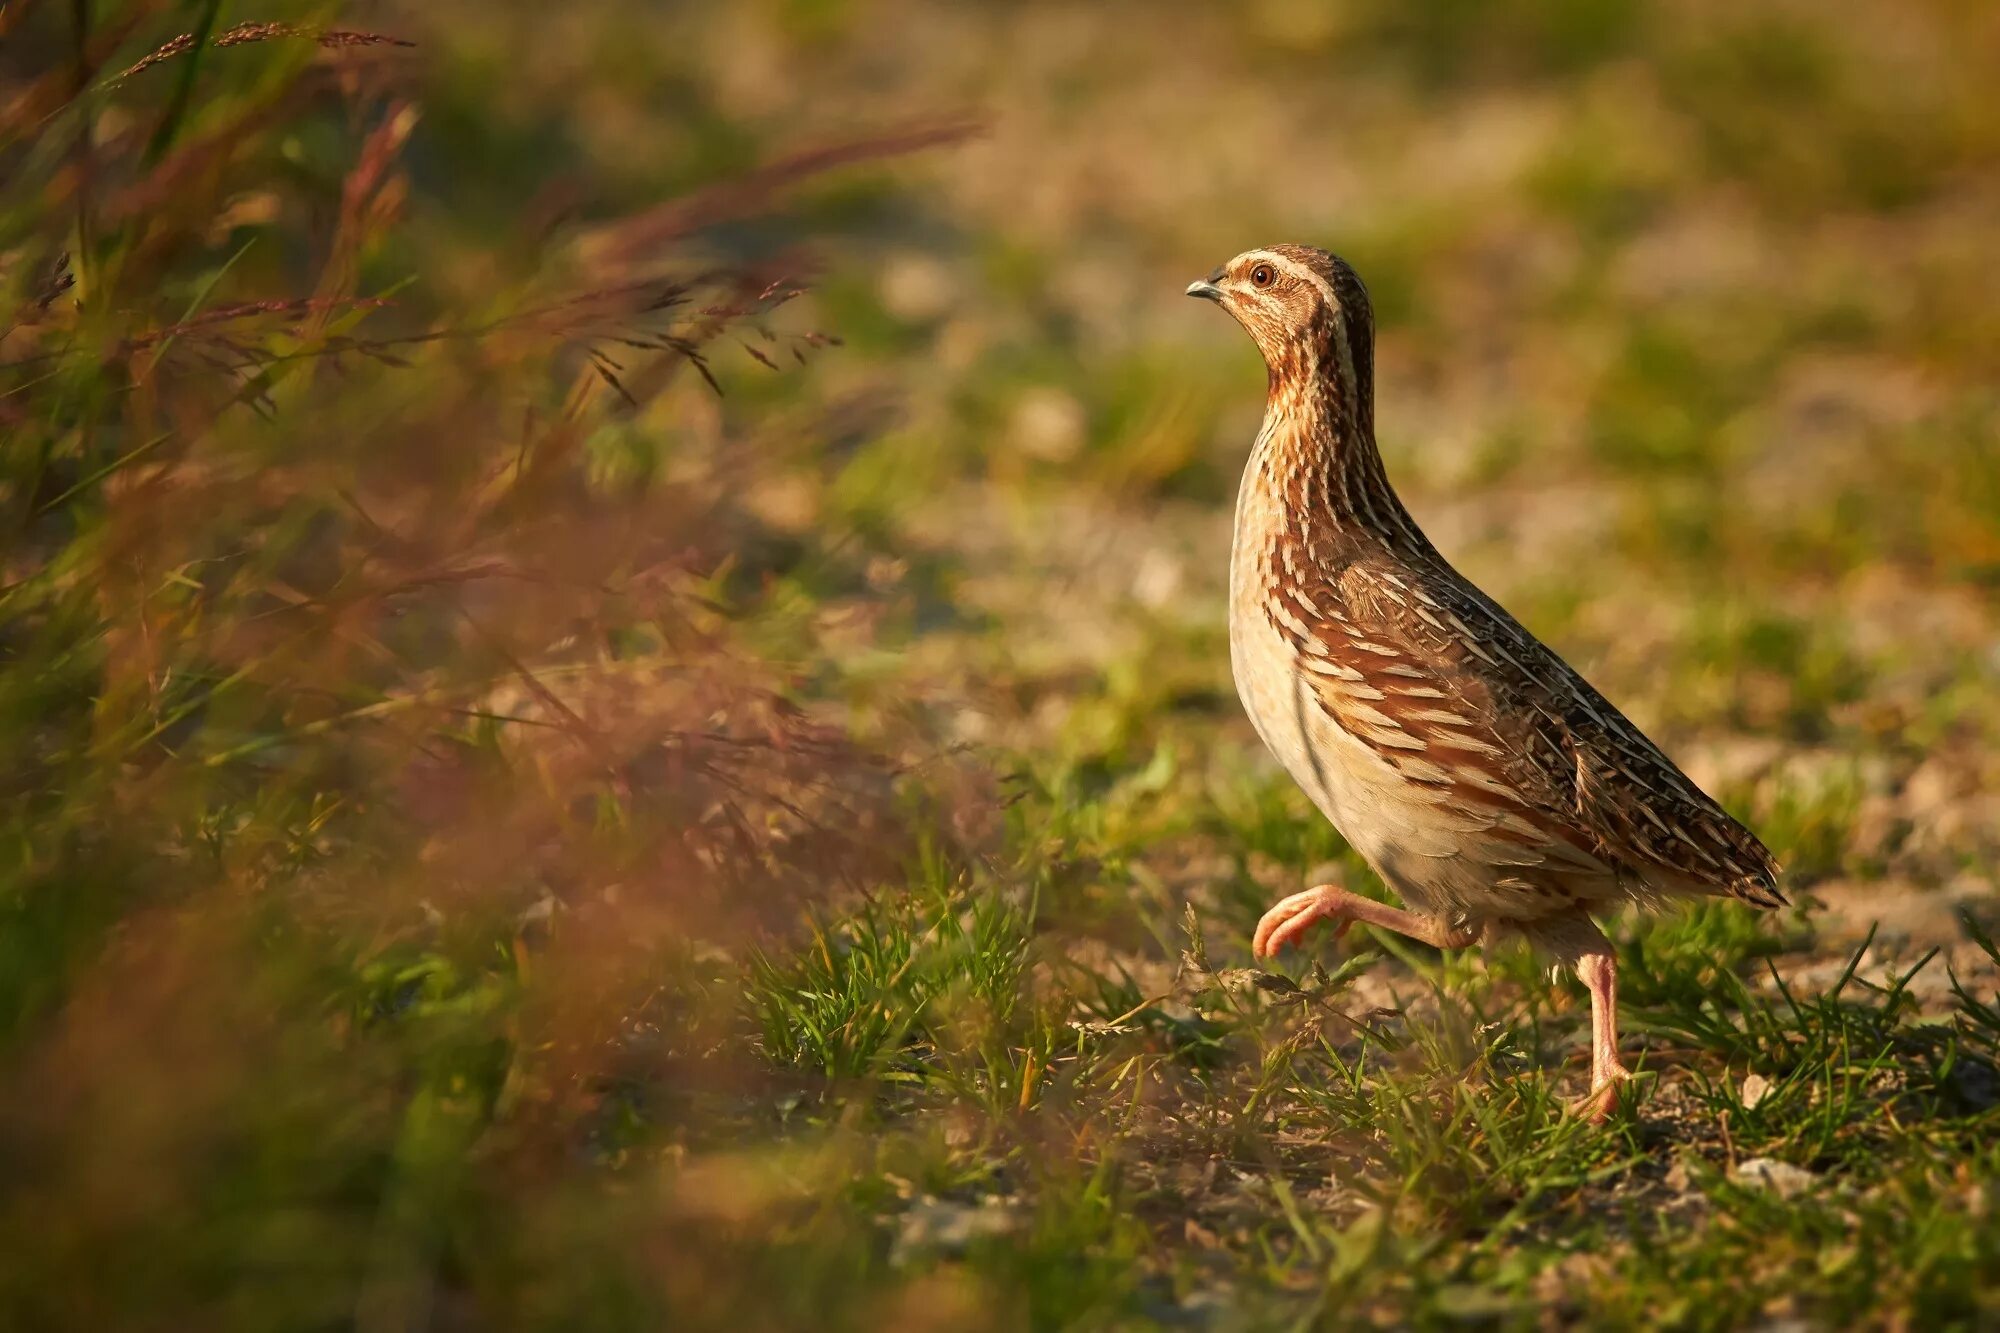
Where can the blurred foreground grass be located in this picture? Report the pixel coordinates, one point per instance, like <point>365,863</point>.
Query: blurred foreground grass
<point>542,790</point>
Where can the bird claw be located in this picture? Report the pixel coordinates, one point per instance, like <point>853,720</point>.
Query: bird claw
<point>1290,918</point>
<point>1605,1096</point>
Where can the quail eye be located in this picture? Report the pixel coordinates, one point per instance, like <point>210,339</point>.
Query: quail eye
<point>1262,276</point>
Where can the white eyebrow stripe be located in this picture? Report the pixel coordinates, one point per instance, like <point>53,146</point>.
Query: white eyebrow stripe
<point>1299,271</point>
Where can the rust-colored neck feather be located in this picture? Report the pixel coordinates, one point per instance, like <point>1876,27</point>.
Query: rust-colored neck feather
<point>1317,452</point>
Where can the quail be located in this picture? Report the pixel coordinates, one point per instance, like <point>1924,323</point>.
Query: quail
<point>1491,787</point>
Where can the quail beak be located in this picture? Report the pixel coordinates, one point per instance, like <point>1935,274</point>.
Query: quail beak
<point>1206,288</point>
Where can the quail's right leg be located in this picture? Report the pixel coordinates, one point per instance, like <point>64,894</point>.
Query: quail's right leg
<point>1598,970</point>
<point>1288,921</point>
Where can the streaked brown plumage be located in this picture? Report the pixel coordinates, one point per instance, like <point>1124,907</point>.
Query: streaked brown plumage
<point>1485,779</point>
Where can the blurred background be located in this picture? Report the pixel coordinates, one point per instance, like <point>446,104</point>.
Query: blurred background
<point>616,703</point>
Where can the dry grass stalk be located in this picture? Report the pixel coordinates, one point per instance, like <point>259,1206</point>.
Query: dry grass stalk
<point>243,34</point>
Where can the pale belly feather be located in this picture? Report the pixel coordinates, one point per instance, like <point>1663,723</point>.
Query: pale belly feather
<point>1366,800</point>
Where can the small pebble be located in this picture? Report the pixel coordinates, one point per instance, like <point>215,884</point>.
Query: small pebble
<point>1781,1178</point>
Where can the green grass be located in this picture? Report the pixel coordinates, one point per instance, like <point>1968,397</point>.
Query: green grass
<point>548,781</point>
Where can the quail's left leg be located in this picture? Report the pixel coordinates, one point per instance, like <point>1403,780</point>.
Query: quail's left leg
<point>1597,969</point>
<point>1287,922</point>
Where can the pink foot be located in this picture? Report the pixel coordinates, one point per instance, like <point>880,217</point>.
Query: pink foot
<point>1289,919</point>
<point>1607,1090</point>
